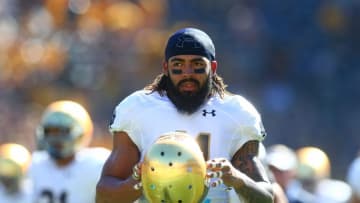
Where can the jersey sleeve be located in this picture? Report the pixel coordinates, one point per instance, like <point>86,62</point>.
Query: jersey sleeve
<point>124,118</point>
<point>249,125</point>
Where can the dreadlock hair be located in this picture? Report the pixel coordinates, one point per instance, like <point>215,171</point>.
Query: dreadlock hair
<point>159,84</point>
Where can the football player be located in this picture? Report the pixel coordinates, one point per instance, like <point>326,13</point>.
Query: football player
<point>66,171</point>
<point>14,185</point>
<point>314,172</point>
<point>282,162</point>
<point>188,96</point>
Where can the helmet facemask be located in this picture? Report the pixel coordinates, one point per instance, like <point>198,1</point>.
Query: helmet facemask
<point>60,142</point>
<point>10,175</point>
<point>11,184</point>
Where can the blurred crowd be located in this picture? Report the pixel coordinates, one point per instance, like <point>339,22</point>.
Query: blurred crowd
<point>297,61</point>
<point>304,174</point>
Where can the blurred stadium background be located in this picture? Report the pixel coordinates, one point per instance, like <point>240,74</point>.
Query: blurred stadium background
<point>297,61</point>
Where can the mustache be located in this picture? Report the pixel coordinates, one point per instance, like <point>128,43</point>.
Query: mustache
<point>189,80</point>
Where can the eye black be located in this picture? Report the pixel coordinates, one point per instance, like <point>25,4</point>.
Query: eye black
<point>199,70</point>
<point>177,71</point>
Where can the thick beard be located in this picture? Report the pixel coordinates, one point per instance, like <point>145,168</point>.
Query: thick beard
<point>188,102</point>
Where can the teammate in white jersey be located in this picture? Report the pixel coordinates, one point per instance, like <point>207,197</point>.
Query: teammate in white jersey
<point>66,171</point>
<point>188,96</point>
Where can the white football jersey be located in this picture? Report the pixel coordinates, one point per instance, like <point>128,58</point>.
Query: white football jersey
<point>221,126</point>
<point>74,183</point>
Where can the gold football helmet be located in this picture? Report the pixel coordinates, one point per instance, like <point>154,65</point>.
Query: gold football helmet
<point>14,162</point>
<point>313,163</point>
<point>174,170</point>
<point>65,127</point>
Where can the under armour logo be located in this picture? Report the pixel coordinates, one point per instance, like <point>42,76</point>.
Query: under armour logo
<point>189,41</point>
<point>212,112</point>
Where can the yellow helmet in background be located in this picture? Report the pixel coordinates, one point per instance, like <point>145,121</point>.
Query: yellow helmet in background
<point>313,163</point>
<point>14,160</point>
<point>72,121</point>
<point>174,170</point>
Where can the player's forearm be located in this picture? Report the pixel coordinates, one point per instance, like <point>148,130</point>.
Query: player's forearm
<point>114,190</point>
<point>254,192</point>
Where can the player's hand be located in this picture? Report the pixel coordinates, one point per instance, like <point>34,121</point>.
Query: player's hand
<point>136,175</point>
<point>221,171</point>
